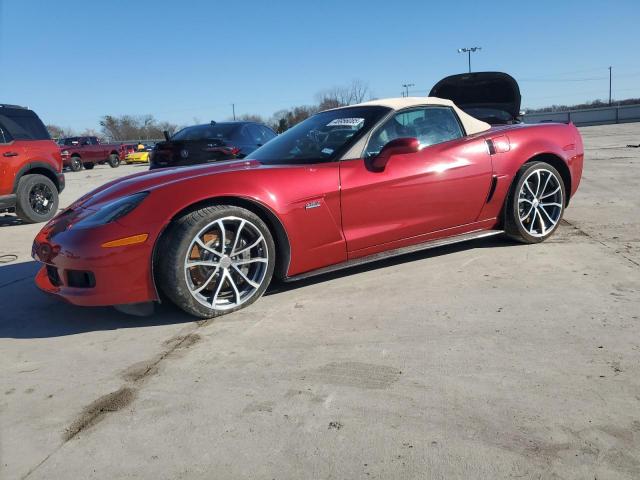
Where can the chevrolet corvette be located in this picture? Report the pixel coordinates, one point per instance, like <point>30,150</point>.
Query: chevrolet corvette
<point>346,186</point>
<point>141,155</point>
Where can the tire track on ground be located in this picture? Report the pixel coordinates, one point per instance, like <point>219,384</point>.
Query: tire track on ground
<point>134,376</point>
<point>608,247</point>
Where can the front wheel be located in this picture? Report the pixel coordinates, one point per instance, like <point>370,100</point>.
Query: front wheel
<point>536,203</point>
<point>114,160</point>
<point>215,260</point>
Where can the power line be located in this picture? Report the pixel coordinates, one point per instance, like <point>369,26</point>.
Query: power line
<point>555,80</point>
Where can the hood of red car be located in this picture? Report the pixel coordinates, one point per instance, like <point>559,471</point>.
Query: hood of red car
<point>153,179</point>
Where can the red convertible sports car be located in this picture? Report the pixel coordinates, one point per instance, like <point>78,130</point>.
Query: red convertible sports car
<point>344,187</point>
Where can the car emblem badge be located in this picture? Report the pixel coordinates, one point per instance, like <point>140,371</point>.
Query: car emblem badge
<point>314,204</point>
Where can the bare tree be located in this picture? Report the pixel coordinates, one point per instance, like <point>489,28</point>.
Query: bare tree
<point>91,132</point>
<point>129,127</point>
<point>250,117</point>
<point>60,132</point>
<point>335,97</point>
<point>358,91</point>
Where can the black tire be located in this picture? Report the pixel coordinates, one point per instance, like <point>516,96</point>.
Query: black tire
<point>89,166</point>
<point>516,203</point>
<point>76,164</point>
<point>177,241</point>
<point>37,198</point>
<point>114,160</point>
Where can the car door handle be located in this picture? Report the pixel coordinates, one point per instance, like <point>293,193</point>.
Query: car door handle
<point>10,154</point>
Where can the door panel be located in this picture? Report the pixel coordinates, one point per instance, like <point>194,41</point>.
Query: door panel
<point>11,156</point>
<point>441,186</point>
<point>85,151</point>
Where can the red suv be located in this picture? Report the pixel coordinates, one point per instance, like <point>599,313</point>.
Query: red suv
<point>30,166</point>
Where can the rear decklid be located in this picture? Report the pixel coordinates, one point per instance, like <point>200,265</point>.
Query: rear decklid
<point>493,97</point>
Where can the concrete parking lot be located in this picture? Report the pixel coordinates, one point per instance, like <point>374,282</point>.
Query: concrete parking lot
<point>484,360</point>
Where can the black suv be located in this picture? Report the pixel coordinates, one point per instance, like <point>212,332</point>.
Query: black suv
<point>211,142</point>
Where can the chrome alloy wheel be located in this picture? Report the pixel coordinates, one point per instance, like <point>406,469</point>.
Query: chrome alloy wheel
<point>540,202</point>
<point>226,263</point>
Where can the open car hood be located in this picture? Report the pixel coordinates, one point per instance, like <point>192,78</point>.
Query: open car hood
<point>493,97</point>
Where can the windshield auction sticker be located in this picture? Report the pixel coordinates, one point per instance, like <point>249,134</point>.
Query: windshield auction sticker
<point>346,122</point>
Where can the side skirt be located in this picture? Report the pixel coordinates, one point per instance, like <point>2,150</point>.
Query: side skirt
<point>395,252</point>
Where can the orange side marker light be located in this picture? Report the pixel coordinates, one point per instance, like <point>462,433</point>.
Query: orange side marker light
<point>122,242</point>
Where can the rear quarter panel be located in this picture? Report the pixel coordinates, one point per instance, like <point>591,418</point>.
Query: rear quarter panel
<point>526,142</point>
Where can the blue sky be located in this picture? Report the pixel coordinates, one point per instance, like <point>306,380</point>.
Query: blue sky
<point>74,61</point>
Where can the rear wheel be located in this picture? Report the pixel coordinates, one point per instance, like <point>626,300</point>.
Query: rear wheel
<point>76,164</point>
<point>89,166</point>
<point>216,260</point>
<point>114,160</point>
<point>536,203</point>
<point>37,198</point>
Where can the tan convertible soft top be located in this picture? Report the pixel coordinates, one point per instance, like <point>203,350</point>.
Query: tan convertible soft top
<point>471,125</point>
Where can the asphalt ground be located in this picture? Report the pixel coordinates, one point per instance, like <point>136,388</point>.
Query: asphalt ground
<point>484,360</point>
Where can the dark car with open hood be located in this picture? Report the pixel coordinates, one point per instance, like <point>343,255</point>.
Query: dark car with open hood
<point>210,142</point>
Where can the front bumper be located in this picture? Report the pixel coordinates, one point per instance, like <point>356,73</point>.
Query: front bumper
<point>82,272</point>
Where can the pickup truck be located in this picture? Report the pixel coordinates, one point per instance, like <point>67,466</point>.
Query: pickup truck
<point>78,152</point>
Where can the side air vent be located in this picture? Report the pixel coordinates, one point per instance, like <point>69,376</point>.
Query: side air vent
<point>491,147</point>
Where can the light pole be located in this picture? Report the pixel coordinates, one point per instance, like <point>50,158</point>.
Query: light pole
<point>610,86</point>
<point>468,51</point>
<point>406,88</point>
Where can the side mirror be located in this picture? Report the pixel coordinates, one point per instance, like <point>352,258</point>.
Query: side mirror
<point>399,146</point>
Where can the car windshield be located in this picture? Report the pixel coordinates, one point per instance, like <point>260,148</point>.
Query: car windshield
<point>320,138</point>
<point>212,131</point>
<point>69,141</point>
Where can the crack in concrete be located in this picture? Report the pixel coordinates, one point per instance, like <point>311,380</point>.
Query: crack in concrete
<point>126,394</point>
<point>608,247</point>
<point>16,281</point>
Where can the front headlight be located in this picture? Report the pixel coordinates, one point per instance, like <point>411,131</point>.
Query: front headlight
<point>112,211</point>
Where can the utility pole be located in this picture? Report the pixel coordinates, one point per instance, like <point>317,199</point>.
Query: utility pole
<point>609,86</point>
<point>233,107</point>
<point>468,51</point>
<point>406,88</point>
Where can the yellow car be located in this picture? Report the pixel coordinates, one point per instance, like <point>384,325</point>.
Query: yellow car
<point>139,156</point>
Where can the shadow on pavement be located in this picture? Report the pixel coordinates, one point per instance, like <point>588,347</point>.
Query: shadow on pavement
<point>10,221</point>
<point>25,312</point>
<point>491,242</point>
